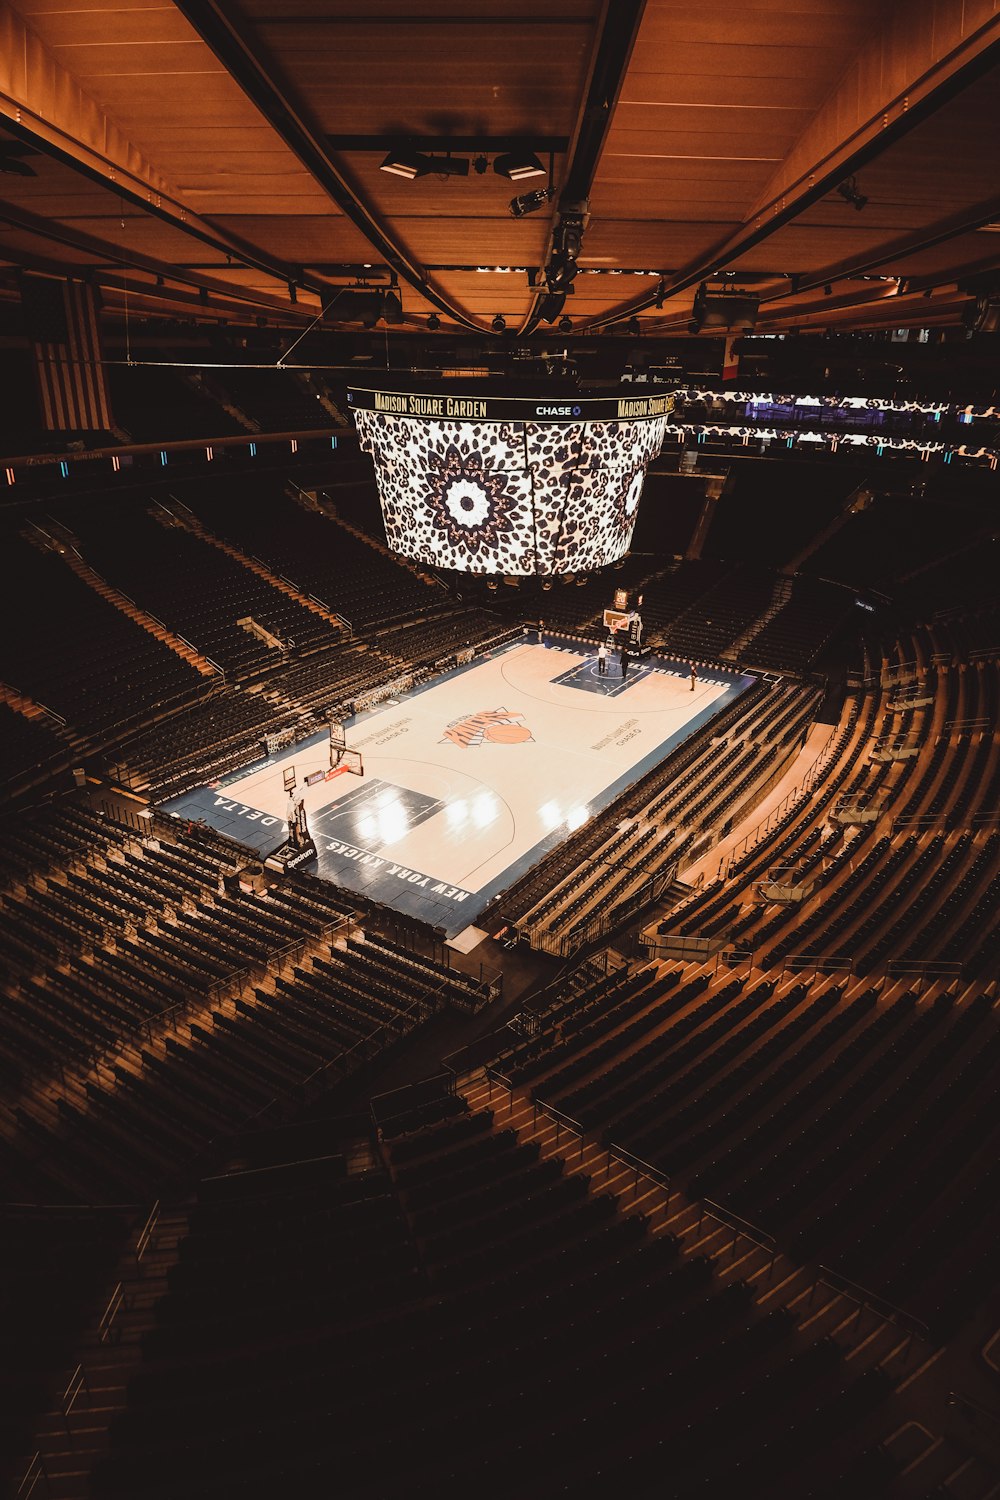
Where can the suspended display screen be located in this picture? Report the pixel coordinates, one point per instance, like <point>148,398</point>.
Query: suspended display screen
<point>519,487</point>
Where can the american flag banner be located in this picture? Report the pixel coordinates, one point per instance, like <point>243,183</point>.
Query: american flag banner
<point>730,358</point>
<point>61,322</point>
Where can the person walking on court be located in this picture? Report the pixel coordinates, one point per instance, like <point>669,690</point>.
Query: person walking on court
<point>602,659</point>
<point>624,661</point>
<point>694,677</point>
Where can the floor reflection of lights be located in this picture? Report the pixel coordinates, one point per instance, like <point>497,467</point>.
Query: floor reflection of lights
<point>387,824</point>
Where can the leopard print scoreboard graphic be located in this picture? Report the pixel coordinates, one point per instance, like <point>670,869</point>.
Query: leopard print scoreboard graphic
<point>494,485</point>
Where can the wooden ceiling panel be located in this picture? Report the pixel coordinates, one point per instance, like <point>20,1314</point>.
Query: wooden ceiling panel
<point>430,12</point>
<point>421,80</point>
<point>642,243</point>
<point>36,10</point>
<point>139,232</point>
<point>669,194</point>
<point>302,239</point>
<point>23,248</point>
<point>639,127</point>
<point>801,249</point>
<point>681,176</point>
<point>748,58</point>
<point>494,242</point>
<point>777,27</point>
<point>83,34</point>
<point>963,254</point>
<point>651,84</point>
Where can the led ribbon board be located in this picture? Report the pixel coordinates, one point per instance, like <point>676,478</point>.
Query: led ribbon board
<point>511,485</point>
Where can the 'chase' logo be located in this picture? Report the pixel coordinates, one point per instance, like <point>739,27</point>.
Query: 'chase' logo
<point>557,411</point>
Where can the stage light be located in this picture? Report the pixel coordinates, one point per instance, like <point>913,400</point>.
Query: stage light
<point>479,164</point>
<point>433,322</point>
<point>499,323</point>
<point>848,190</point>
<point>566,325</point>
<point>633,328</point>
<point>517,165</point>
<point>551,306</point>
<point>408,163</point>
<point>735,311</point>
<point>828,290</point>
<point>405,163</point>
<point>529,203</point>
<point>366,306</point>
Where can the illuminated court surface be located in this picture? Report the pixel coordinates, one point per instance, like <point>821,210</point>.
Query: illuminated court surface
<point>469,780</point>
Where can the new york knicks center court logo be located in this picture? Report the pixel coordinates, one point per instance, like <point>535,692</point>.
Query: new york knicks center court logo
<point>496,725</point>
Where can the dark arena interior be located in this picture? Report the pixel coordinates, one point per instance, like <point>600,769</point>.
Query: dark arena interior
<point>499,771</point>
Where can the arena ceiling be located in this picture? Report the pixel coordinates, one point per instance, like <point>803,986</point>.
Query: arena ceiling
<point>836,159</point>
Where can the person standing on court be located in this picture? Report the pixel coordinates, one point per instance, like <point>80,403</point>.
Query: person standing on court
<point>602,659</point>
<point>624,660</point>
<point>694,677</point>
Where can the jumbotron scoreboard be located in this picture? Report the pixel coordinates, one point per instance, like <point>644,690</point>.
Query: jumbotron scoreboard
<point>510,485</point>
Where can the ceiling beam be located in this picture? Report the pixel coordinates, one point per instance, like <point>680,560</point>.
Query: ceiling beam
<point>42,104</point>
<point>923,53</point>
<point>615,38</point>
<point>939,233</point>
<point>106,255</point>
<point>289,121</point>
<point>887,102</point>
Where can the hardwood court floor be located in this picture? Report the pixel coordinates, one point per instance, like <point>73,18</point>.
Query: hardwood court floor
<point>471,778</point>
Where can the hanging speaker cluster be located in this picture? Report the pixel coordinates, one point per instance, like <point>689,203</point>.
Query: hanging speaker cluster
<point>365,306</point>
<point>736,312</point>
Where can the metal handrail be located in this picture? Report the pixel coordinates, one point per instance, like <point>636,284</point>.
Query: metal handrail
<point>32,1474</point>
<point>885,1309</point>
<point>735,1221</point>
<point>640,1166</point>
<point>116,1302</point>
<point>147,1231</point>
<point>801,963</point>
<point>76,1383</point>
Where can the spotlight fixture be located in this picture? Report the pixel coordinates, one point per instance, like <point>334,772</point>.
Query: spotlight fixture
<point>632,328</point>
<point>408,163</point>
<point>499,323</point>
<point>479,164</point>
<point>392,307</point>
<point>552,305</point>
<point>566,325</point>
<point>828,290</point>
<point>405,163</point>
<point>517,165</point>
<point>364,305</point>
<point>848,190</point>
<point>529,203</point>
<point>735,310</point>
<point>433,322</point>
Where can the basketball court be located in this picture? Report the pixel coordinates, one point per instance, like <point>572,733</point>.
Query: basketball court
<point>468,780</point>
